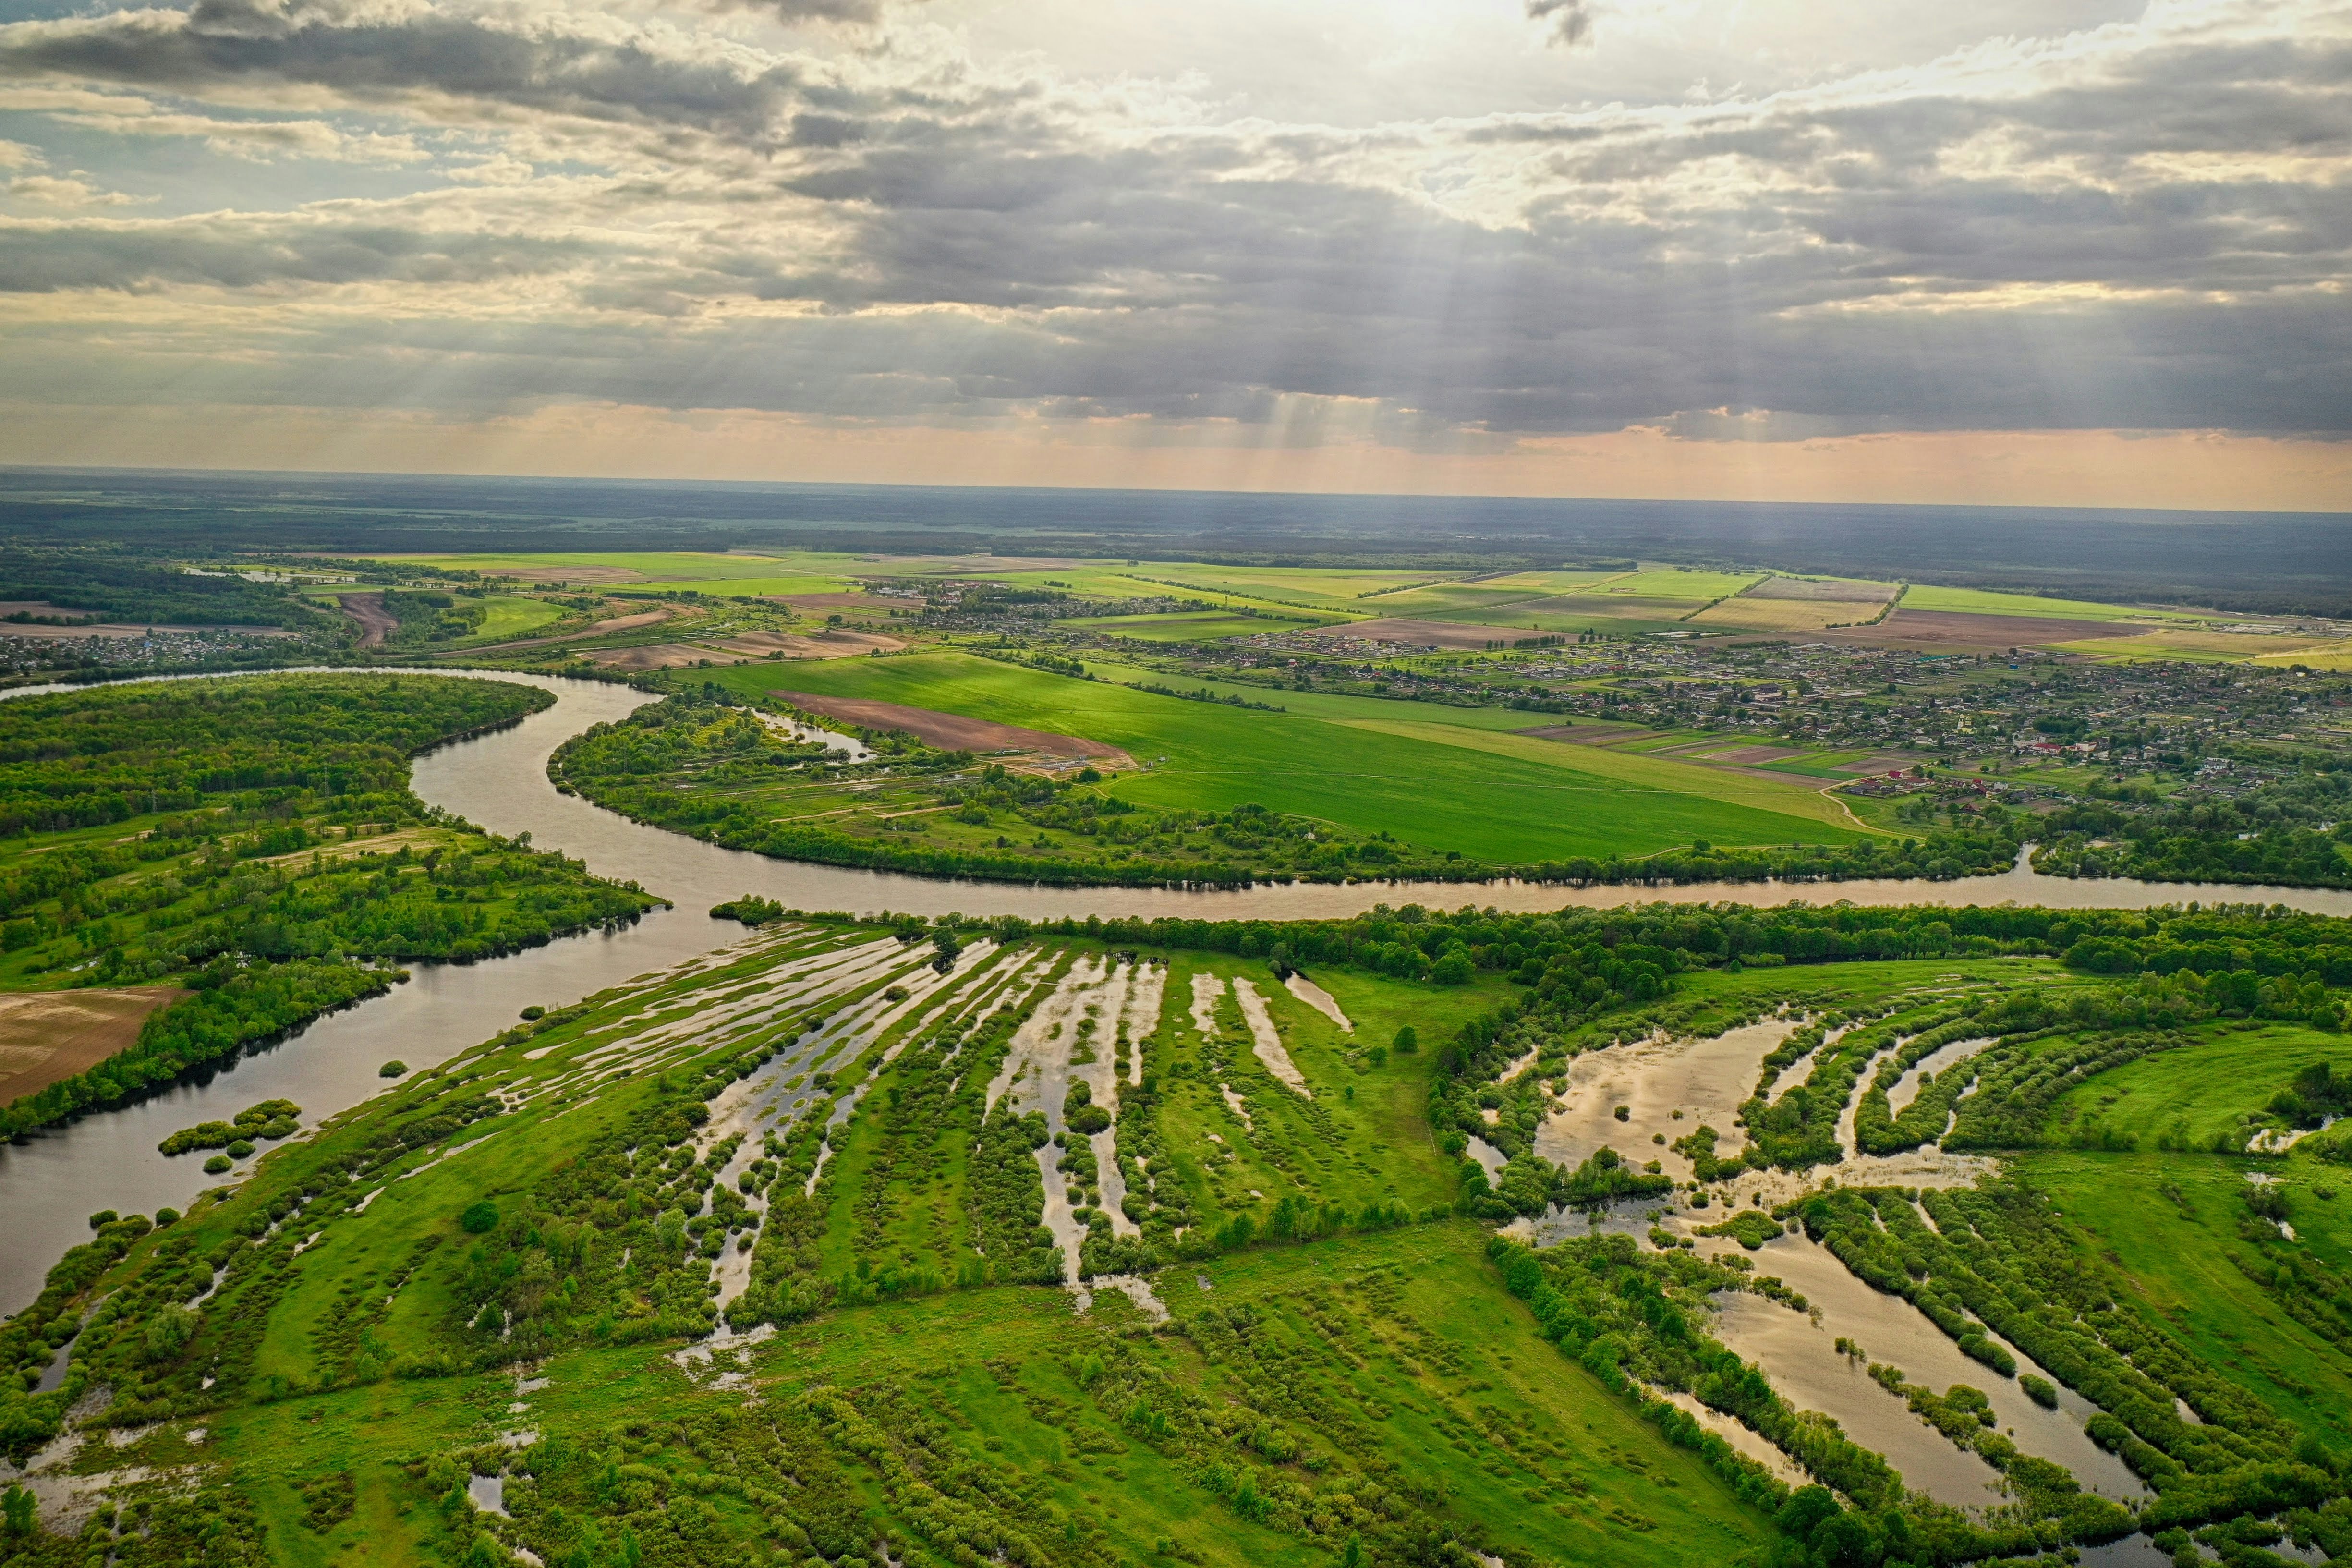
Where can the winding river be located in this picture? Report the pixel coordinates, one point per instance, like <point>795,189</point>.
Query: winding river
<point>53,1181</point>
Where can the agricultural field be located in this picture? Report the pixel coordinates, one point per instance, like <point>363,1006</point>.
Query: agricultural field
<point>1774,615</point>
<point>1984,602</point>
<point>1338,760</point>
<point>1186,627</point>
<point>1406,1239</point>
<point>516,616</point>
<point>798,571</point>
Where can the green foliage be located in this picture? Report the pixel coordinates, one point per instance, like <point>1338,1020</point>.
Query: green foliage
<point>2283,833</point>
<point>271,1119</point>
<point>240,1007</point>
<point>480,1217</point>
<point>134,588</point>
<point>751,910</point>
<point>234,780</point>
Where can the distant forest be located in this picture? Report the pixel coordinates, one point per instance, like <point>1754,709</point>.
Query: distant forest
<point>2264,561</point>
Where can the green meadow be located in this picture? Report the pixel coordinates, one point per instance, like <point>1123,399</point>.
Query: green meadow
<point>1985,602</point>
<point>1363,763</point>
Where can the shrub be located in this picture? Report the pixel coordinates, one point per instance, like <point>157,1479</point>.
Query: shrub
<point>240,1150</point>
<point>393,1069</point>
<point>168,1332</point>
<point>1407,1041</point>
<point>219,1164</point>
<point>2038,1390</point>
<point>481,1217</point>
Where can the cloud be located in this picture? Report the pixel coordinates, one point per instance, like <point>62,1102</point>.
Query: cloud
<point>49,191</point>
<point>2144,225</point>
<point>241,252</point>
<point>1569,22</point>
<point>262,141</point>
<point>415,55</point>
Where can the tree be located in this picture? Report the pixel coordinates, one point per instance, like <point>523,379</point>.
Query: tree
<point>947,948</point>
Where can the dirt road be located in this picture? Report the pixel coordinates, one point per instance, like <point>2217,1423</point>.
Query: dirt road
<point>375,622</point>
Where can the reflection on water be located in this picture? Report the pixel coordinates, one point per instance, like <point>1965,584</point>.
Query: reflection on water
<point>1931,1066</point>
<point>1666,1086</point>
<point>1803,1367</point>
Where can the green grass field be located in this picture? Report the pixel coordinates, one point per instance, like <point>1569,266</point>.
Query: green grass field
<point>2192,1095</point>
<point>1500,798</point>
<point>2171,1223</point>
<point>1984,602</point>
<point>516,616</point>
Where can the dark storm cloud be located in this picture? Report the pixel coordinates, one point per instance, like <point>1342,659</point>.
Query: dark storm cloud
<point>544,63</point>
<point>244,252</point>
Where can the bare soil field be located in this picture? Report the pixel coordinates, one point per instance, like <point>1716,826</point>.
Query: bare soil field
<point>45,1036</point>
<point>375,622</point>
<point>1421,634</point>
<point>953,732</point>
<point>1801,588</point>
<point>1959,632</point>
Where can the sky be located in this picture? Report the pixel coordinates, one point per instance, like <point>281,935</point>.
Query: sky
<point>2076,252</point>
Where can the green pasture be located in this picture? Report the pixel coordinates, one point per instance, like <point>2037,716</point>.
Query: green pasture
<point>1169,580</point>
<point>2191,1094</point>
<point>1683,582</point>
<point>1985,602</point>
<point>1362,1139</point>
<point>1445,787</point>
<point>1332,588</point>
<point>2171,1223</point>
<point>515,615</point>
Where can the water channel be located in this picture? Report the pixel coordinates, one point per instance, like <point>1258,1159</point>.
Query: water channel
<point>51,1182</point>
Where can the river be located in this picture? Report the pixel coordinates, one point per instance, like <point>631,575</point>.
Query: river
<point>51,1182</point>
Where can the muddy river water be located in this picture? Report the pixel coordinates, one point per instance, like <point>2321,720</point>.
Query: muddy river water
<point>50,1182</point>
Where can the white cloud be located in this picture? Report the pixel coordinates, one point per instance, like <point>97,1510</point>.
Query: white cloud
<point>52,191</point>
